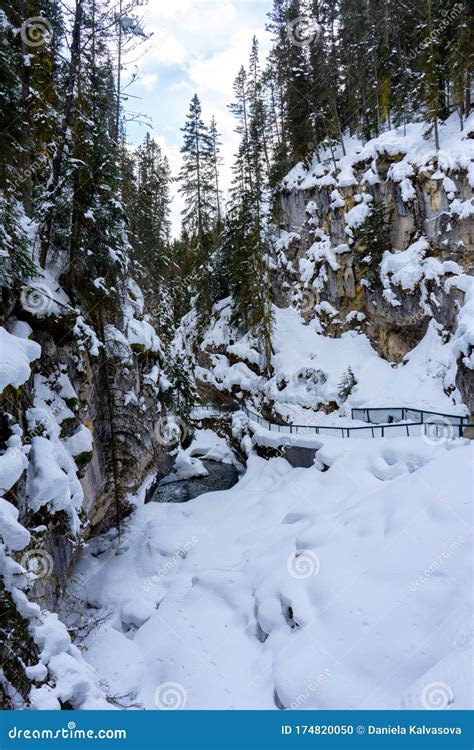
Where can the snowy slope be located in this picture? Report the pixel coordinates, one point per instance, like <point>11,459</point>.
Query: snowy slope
<point>308,367</point>
<point>456,153</point>
<point>297,588</point>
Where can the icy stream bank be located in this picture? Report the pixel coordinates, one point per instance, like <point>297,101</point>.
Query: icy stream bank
<point>219,477</point>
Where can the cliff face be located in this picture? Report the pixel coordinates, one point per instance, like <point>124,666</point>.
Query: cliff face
<point>93,391</point>
<point>377,244</point>
<point>82,427</point>
<point>425,257</point>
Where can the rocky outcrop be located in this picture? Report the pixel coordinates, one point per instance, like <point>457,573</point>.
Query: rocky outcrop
<point>77,436</point>
<point>318,260</point>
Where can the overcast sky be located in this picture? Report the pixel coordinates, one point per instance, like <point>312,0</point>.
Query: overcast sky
<point>197,47</point>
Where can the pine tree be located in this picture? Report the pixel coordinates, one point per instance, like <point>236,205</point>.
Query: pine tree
<point>98,247</point>
<point>346,384</point>
<point>372,240</point>
<point>197,185</point>
<point>216,163</point>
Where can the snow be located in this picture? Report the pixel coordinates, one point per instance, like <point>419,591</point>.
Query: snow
<point>341,589</point>
<point>463,209</point>
<point>12,463</point>
<point>463,340</point>
<point>308,367</point>
<point>142,333</point>
<point>185,467</point>
<point>207,444</point>
<point>357,215</point>
<point>412,152</point>
<point>86,337</point>
<point>52,480</point>
<point>15,536</point>
<point>139,331</point>
<point>80,442</point>
<point>408,267</point>
<point>116,345</point>
<point>16,356</point>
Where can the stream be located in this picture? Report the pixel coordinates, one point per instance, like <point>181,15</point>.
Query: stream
<point>221,477</point>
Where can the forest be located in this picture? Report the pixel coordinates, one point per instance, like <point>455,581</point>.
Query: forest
<point>331,277</point>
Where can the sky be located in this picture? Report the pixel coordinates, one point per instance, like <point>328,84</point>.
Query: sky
<point>197,46</point>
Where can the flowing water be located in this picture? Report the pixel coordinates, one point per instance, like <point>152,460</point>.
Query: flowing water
<point>221,477</point>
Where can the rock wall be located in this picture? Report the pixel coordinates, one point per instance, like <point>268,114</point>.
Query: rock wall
<point>316,259</point>
<point>77,435</point>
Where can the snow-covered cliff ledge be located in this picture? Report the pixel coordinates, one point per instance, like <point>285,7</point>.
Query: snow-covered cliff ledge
<point>80,428</point>
<point>372,268</point>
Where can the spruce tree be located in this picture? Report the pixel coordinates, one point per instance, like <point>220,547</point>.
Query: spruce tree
<point>197,185</point>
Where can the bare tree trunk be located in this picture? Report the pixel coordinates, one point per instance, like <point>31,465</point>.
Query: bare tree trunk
<point>46,227</point>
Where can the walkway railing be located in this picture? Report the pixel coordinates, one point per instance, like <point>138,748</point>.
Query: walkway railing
<point>381,422</point>
<point>387,415</point>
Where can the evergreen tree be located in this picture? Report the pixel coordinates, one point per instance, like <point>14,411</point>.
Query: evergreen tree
<point>346,384</point>
<point>372,240</point>
<point>216,163</point>
<point>197,185</point>
<point>98,247</point>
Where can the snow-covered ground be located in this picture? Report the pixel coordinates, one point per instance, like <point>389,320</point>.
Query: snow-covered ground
<point>297,588</point>
<point>309,366</point>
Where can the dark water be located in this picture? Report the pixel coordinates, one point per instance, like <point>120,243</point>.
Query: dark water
<point>221,477</point>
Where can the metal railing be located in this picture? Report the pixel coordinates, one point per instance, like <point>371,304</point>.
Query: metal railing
<point>400,422</point>
<point>388,415</point>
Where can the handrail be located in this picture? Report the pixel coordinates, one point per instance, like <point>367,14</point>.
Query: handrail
<point>411,409</point>
<point>346,432</point>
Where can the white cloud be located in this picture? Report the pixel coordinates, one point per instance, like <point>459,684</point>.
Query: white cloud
<point>197,46</point>
<point>149,81</point>
<point>166,48</point>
